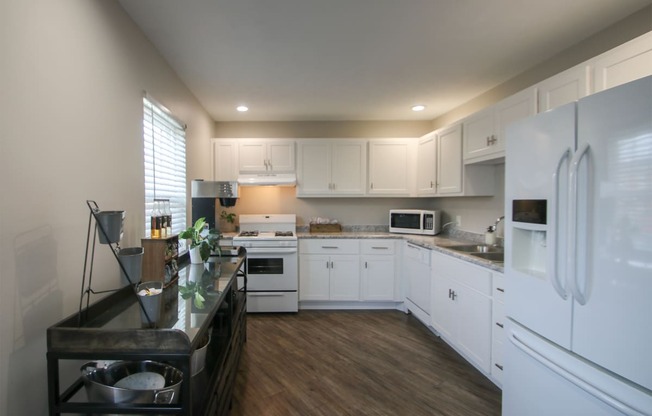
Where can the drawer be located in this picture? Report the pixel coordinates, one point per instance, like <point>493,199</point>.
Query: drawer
<point>329,246</point>
<point>384,246</point>
<point>477,278</point>
<point>417,254</point>
<point>498,287</point>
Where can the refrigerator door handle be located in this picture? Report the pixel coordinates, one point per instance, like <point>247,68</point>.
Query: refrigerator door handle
<point>572,272</point>
<point>554,260</point>
<point>577,379</point>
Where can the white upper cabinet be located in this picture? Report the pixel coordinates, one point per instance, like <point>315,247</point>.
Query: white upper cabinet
<point>224,159</point>
<point>332,167</point>
<point>427,165</point>
<point>392,167</point>
<point>484,131</point>
<point>266,155</point>
<point>449,161</point>
<point>563,88</point>
<point>628,62</point>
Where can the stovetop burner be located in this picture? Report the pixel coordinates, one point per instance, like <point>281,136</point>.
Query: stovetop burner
<point>248,234</point>
<point>283,234</point>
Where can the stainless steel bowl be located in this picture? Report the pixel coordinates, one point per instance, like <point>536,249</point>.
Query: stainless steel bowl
<point>100,382</point>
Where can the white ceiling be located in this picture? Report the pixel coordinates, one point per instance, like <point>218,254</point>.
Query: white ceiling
<point>294,60</point>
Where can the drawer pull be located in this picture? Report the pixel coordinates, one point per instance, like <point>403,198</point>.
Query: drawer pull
<point>329,247</point>
<point>500,367</point>
<point>380,248</point>
<point>500,289</point>
<point>500,325</point>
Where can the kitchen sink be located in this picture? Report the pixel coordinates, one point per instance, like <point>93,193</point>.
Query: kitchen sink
<point>497,257</point>
<point>476,248</point>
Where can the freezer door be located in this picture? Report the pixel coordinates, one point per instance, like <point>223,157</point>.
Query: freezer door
<point>542,379</point>
<point>611,256</point>
<point>538,153</point>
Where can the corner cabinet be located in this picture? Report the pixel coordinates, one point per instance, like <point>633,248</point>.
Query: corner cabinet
<point>331,167</point>
<point>461,307</point>
<point>224,159</point>
<point>378,266</point>
<point>111,329</point>
<point>392,167</point>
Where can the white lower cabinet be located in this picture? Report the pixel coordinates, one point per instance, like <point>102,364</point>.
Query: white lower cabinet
<point>378,270</point>
<point>461,307</point>
<point>329,269</point>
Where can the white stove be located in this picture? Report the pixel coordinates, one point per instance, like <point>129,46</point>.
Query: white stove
<point>272,262</point>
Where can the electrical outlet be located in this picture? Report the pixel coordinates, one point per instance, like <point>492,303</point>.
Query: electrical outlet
<point>458,220</point>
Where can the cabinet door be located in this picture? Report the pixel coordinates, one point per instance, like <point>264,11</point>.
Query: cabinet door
<point>314,170</point>
<point>253,156</point>
<point>345,277</point>
<point>314,272</point>
<point>225,159</point>
<point>474,329</point>
<point>427,165</point>
<point>516,107</point>
<point>563,88</point>
<point>280,155</point>
<point>378,278</point>
<point>349,167</point>
<point>390,161</point>
<point>627,62</point>
<point>442,313</point>
<point>479,133</point>
<point>449,164</point>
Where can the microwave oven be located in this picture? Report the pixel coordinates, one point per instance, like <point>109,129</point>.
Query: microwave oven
<point>414,221</point>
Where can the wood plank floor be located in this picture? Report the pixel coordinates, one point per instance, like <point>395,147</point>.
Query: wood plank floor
<point>354,363</point>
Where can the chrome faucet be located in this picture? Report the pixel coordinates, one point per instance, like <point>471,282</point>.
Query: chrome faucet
<point>493,227</point>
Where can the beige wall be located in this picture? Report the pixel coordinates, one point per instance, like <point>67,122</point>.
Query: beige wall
<point>617,34</point>
<point>478,212</point>
<point>73,75</point>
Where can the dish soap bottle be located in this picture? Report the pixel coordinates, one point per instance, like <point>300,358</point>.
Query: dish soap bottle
<point>490,237</point>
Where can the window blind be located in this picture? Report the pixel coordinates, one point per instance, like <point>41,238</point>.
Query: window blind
<point>164,143</point>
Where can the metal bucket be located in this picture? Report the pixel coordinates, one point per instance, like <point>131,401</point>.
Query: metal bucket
<point>132,261</point>
<point>111,223</point>
<point>151,303</point>
<point>100,383</point>
<point>198,358</point>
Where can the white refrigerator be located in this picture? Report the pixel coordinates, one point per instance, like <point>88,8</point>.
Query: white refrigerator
<point>578,257</point>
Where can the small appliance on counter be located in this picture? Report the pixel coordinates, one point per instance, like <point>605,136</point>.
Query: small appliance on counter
<point>414,221</point>
<point>204,195</point>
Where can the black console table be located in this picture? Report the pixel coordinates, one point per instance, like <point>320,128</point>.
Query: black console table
<point>111,329</point>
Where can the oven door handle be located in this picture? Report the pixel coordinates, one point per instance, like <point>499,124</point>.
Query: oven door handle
<point>271,250</point>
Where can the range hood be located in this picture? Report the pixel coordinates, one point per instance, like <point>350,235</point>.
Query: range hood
<point>268,179</point>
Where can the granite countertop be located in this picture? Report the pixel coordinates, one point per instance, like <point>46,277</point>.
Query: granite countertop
<point>437,243</point>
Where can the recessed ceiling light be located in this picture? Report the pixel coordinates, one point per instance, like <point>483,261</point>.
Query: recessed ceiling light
<point>418,107</point>
<point>242,108</point>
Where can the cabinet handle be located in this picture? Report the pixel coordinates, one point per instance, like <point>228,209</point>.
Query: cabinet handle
<point>500,289</point>
<point>379,248</point>
<point>454,295</point>
<point>333,188</point>
<point>327,265</point>
<point>450,291</point>
<point>331,264</point>
<point>431,185</point>
<point>371,185</point>
<point>329,247</point>
<point>500,325</point>
<point>500,367</point>
<point>365,265</point>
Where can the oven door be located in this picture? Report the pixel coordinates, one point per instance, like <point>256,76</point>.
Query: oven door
<point>272,269</point>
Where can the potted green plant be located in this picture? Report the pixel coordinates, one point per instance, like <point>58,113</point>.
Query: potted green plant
<point>228,221</point>
<point>201,242</point>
